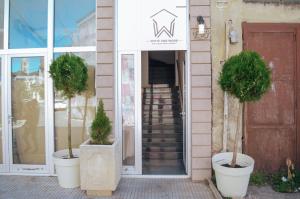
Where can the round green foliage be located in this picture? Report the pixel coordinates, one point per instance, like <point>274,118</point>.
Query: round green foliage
<point>101,127</point>
<point>245,76</point>
<point>69,74</point>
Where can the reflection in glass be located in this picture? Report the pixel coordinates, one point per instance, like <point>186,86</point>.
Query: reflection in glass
<point>28,110</point>
<point>74,23</point>
<point>128,107</point>
<point>83,109</point>
<point>1,22</point>
<point>28,24</point>
<point>1,126</point>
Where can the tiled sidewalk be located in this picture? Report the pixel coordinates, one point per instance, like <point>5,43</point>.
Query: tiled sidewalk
<point>20,187</point>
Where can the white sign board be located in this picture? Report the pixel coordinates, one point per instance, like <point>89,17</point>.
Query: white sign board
<point>163,25</point>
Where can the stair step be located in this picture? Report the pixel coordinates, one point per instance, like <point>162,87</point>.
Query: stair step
<point>163,145</point>
<point>162,89</point>
<point>160,114</point>
<point>161,131</point>
<point>153,118</point>
<point>162,140</point>
<point>161,123</point>
<point>161,107</point>
<point>163,135</point>
<point>147,162</point>
<point>159,102</point>
<point>163,155</point>
<point>160,86</point>
<point>162,128</point>
<point>166,170</point>
<point>162,149</point>
<point>160,96</point>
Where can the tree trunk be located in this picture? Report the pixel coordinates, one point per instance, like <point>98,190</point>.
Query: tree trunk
<point>69,129</point>
<point>237,136</point>
<point>84,117</point>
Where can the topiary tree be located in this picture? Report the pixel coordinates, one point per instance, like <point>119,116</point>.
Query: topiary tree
<point>246,77</point>
<point>69,74</point>
<point>101,127</point>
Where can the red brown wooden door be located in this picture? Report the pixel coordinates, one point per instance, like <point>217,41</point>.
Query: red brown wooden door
<point>271,124</point>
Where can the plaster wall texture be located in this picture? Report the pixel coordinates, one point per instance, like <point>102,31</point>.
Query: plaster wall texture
<point>238,12</point>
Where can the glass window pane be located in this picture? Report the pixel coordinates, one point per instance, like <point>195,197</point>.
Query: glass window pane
<point>75,23</point>
<point>28,24</point>
<point>1,22</point>
<point>28,110</point>
<point>128,109</point>
<point>83,109</point>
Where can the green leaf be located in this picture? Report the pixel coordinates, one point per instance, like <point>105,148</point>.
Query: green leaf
<point>245,76</point>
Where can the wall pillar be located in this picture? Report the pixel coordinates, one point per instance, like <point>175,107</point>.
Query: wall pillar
<point>201,109</point>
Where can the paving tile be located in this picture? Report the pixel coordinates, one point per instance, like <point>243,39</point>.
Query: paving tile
<point>21,187</point>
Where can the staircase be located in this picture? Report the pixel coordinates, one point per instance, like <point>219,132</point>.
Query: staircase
<point>162,131</point>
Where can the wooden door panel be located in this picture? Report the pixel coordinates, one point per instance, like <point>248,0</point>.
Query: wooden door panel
<point>269,111</point>
<point>270,124</point>
<point>271,146</point>
<point>276,48</point>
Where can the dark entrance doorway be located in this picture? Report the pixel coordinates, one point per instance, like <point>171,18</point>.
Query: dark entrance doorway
<point>162,67</point>
<point>272,124</point>
<point>163,135</point>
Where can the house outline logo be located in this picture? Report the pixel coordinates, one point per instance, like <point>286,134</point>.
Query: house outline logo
<point>161,21</point>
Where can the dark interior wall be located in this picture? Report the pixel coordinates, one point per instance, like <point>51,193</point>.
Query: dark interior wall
<point>167,57</point>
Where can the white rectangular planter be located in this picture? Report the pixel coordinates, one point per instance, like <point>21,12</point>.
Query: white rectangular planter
<point>100,168</point>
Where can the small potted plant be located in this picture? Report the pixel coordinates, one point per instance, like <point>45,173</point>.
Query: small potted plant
<point>100,158</point>
<point>69,74</point>
<point>246,77</point>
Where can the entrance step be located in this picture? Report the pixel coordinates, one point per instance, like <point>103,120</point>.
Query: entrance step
<point>159,101</point>
<point>150,118</point>
<point>177,169</point>
<point>173,107</point>
<point>163,144</point>
<point>148,162</point>
<point>162,140</point>
<point>162,127</point>
<point>158,90</point>
<point>161,123</point>
<point>160,86</point>
<point>163,155</point>
<point>162,149</point>
<point>161,131</point>
<point>162,135</point>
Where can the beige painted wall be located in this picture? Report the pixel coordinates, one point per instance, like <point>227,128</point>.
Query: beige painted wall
<point>238,12</point>
<point>105,56</point>
<point>145,69</point>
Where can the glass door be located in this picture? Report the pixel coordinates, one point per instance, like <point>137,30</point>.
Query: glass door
<point>27,89</point>
<point>130,112</point>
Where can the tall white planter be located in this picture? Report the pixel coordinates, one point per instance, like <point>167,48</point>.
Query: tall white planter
<point>232,182</point>
<point>67,169</point>
<point>100,168</point>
